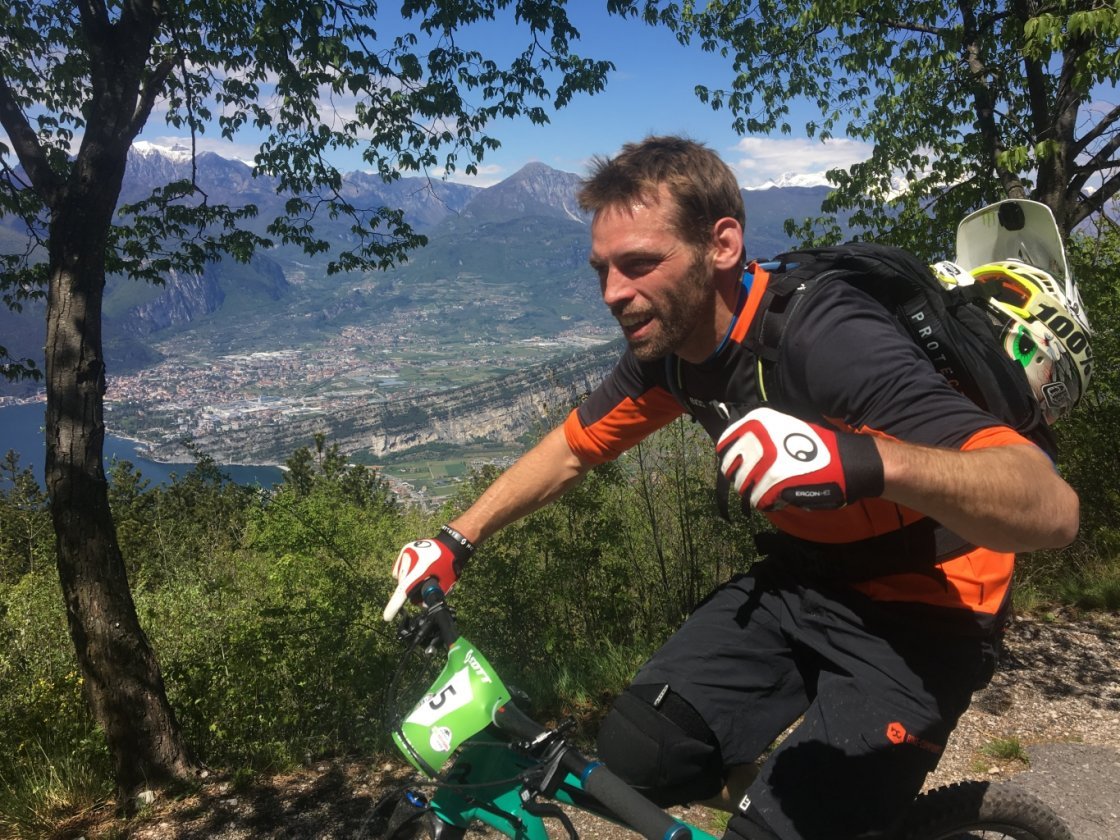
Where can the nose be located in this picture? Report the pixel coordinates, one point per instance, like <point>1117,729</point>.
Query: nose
<point>615,287</point>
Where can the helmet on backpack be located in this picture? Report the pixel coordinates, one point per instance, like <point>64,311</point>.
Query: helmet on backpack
<point>1015,248</point>
<point>1042,326</point>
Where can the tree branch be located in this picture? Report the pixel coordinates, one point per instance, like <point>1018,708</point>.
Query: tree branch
<point>1091,204</point>
<point>27,147</point>
<point>905,26</point>
<point>984,101</point>
<point>1101,160</point>
<point>151,91</point>
<point>1106,122</point>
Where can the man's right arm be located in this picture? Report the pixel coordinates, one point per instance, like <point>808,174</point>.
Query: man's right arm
<point>624,409</point>
<point>541,475</point>
<point>628,406</point>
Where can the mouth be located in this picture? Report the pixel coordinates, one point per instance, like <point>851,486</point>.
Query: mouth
<point>634,324</point>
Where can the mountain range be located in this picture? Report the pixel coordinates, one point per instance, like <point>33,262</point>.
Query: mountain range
<point>492,326</point>
<point>524,238</point>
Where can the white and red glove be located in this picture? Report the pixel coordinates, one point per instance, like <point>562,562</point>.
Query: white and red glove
<point>774,460</point>
<point>442,558</point>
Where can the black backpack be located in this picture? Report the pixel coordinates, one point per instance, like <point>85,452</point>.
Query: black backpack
<point>952,327</point>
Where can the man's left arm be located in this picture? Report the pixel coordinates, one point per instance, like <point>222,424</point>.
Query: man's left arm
<point>941,454</point>
<point>1007,498</point>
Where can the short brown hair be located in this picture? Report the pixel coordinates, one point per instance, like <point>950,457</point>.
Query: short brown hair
<point>702,185</point>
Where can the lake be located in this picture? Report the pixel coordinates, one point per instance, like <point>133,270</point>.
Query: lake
<point>21,429</point>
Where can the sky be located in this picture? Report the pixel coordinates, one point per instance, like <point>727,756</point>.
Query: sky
<point>650,92</point>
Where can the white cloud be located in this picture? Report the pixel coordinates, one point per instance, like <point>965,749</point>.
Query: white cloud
<point>488,175</point>
<point>762,161</point>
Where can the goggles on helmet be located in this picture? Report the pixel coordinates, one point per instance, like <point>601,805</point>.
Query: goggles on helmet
<point>1043,329</point>
<point>1010,288</point>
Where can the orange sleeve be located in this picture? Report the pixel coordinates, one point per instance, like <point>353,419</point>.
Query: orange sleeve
<point>628,422</point>
<point>995,436</point>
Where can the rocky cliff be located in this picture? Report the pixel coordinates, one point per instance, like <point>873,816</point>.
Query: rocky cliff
<point>185,297</point>
<point>504,409</point>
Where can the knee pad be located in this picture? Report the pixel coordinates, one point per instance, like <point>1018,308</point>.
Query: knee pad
<point>658,743</point>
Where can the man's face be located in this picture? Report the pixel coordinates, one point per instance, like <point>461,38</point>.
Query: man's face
<point>658,287</point>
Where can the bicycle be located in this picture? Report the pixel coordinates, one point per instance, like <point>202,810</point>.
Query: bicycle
<point>512,774</point>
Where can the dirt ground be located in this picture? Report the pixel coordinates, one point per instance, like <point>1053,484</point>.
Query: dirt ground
<point>1057,694</point>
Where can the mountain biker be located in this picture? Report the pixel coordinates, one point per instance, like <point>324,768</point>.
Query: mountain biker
<point>897,505</point>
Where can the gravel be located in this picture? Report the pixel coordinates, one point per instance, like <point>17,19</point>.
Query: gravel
<point>1054,706</point>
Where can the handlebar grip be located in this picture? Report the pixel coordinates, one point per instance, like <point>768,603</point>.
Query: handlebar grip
<point>630,806</point>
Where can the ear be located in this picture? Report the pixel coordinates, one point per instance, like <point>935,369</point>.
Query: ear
<point>727,244</point>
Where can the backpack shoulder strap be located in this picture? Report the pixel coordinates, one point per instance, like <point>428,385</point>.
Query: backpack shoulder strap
<point>791,280</point>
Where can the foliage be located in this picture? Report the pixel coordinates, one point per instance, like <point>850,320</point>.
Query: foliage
<point>163,530</point>
<point>25,525</point>
<point>963,104</point>
<point>274,650</point>
<point>312,77</point>
<point>264,609</point>
<point>52,756</point>
<point>1087,572</point>
<point>327,467</point>
<point>1089,437</point>
<point>47,790</point>
<point>1008,749</point>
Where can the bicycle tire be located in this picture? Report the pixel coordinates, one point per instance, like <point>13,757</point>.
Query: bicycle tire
<point>406,821</point>
<point>982,811</point>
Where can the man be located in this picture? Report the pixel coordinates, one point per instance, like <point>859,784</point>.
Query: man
<point>897,502</point>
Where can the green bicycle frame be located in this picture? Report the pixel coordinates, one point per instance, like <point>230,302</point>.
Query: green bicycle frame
<point>485,781</point>
<point>491,769</point>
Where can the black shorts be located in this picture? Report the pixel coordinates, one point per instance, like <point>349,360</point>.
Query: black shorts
<point>876,701</point>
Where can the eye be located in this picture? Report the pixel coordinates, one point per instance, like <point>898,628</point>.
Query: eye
<point>639,266</point>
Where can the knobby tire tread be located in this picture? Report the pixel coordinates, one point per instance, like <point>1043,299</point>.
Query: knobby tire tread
<point>952,811</point>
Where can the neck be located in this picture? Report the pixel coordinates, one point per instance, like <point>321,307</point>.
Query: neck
<point>724,300</point>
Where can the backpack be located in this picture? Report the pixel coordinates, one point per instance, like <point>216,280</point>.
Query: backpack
<point>952,327</point>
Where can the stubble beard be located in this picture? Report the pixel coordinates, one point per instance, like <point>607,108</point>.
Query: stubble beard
<point>684,308</point>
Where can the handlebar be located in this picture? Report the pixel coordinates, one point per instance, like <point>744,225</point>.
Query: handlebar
<point>629,805</point>
<point>622,800</point>
<point>431,593</point>
<point>612,792</point>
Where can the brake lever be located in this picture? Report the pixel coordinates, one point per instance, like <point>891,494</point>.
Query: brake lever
<point>548,810</point>
<point>417,631</point>
<point>423,630</point>
<point>549,749</point>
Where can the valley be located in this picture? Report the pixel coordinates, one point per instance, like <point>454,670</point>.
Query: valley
<point>459,356</point>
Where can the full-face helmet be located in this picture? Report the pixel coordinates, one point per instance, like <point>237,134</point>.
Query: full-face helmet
<point>1043,326</point>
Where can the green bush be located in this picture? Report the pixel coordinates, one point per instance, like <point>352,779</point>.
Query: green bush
<point>52,756</point>
<point>276,652</point>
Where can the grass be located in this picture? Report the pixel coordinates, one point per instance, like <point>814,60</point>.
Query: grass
<point>47,792</point>
<point>1093,589</point>
<point>1006,749</point>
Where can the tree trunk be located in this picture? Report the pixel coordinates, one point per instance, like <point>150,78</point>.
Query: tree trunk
<point>121,677</point>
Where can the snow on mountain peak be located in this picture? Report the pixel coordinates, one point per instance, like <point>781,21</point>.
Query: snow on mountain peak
<point>792,179</point>
<point>177,153</point>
